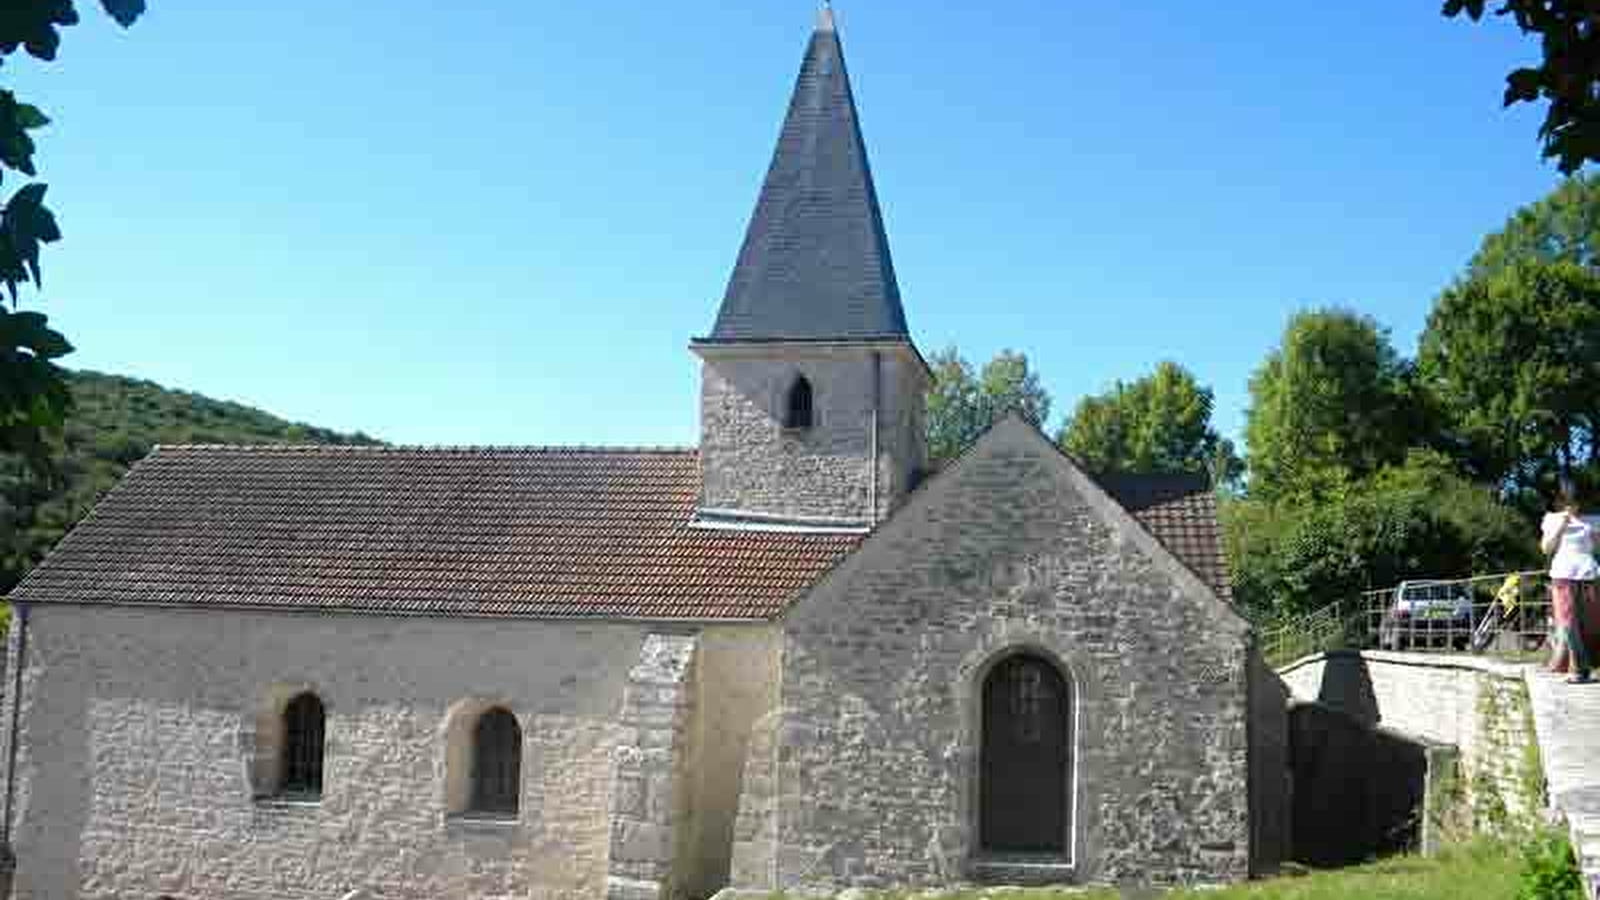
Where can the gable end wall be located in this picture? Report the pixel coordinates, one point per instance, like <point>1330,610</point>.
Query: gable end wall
<point>874,780</point>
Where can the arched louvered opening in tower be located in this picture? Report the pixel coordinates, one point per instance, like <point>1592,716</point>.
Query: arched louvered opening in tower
<point>797,412</point>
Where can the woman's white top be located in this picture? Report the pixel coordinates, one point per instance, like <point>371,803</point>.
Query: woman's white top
<point>1574,558</point>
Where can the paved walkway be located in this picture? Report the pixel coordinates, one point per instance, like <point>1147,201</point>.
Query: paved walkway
<point>1567,719</point>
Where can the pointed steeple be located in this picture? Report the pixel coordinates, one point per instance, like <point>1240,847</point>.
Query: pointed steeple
<point>815,261</point>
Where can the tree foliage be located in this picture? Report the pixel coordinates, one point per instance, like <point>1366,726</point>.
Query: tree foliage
<point>1158,423</point>
<point>1330,405</point>
<point>962,405</point>
<point>1567,77</point>
<point>1563,226</point>
<point>1417,519</point>
<point>34,398</point>
<point>115,423</point>
<point>1514,360</point>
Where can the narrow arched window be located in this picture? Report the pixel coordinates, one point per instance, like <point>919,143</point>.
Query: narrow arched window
<point>302,746</point>
<point>797,409</point>
<point>496,763</point>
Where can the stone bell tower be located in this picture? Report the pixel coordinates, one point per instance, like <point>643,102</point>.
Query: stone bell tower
<point>811,390</point>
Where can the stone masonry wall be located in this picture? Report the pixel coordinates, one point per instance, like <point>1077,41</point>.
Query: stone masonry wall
<point>870,778</point>
<point>651,796</point>
<point>138,733</point>
<point>1270,793</point>
<point>1479,706</point>
<point>751,463</point>
<point>755,831</point>
<point>736,671</point>
<point>904,442</point>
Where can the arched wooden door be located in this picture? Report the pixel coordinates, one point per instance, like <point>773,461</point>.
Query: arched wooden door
<point>1026,758</point>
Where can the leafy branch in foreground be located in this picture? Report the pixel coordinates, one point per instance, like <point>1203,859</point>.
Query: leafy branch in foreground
<point>34,399</point>
<point>1568,76</point>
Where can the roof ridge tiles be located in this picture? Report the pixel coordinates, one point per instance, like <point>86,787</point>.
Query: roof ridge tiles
<point>484,449</point>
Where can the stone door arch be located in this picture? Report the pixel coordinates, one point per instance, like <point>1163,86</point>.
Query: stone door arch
<point>1025,759</point>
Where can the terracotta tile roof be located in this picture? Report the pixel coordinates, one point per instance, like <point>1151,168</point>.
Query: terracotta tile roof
<point>541,532</point>
<point>516,532</point>
<point>1181,511</point>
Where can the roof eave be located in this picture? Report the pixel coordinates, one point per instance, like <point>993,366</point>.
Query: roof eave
<point>701,346</point>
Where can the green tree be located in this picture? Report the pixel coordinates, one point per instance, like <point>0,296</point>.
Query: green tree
<point>1563,226</point>
<point>1568,74</point>
<point>114,423</point>
<point>1418,519</point>
<point>952,404</point>
<point>1331,404</point>
<point>1160,422</point>
<point>1514,360</point>
<point>33,394</point>
<point>962,405</point>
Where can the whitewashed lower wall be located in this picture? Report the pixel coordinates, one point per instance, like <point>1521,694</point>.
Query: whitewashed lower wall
<point>138,728</point>
<point>738,684</point>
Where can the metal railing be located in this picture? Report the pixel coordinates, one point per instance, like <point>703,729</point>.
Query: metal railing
<point>1507,614</point>
<point>1337,626</point>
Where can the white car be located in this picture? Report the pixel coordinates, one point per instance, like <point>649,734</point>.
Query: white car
<point>1427,614</point>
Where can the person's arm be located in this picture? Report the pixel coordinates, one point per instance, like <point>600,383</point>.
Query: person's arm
<point>1552,535</point>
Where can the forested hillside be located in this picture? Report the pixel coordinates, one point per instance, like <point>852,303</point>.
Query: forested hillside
<point>114,422</point>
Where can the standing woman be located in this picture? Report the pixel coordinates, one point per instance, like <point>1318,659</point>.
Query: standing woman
<point>1573,600</point>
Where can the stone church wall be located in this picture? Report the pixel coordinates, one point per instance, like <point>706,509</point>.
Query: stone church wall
<point>1270,781</point>
<point>867,775</point>
<point>737,685</point>
<point>134,763</point>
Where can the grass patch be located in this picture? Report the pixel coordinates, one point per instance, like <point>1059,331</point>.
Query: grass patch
<point>1479,870</point>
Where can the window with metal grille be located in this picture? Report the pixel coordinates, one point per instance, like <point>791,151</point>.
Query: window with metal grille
<point>797,413</point>
<point>496,763</point>
<point>302,747</point>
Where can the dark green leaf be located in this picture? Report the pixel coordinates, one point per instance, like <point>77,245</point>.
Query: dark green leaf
<point>32,24</point>
<point>126,12</point>
<point>1523,84</point>
<point>16,147</point>
<point>30,116</point>
<point>31,331</point>
<point>1473,8</point>
<point>24,225</point>
<point>27,196</point>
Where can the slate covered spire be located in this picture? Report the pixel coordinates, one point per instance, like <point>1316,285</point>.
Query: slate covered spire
<point>815,261</point>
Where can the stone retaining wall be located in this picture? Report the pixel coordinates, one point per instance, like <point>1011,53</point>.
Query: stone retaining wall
<point>1479,706</point>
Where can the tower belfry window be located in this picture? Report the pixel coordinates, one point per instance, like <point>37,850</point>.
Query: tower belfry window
<point>797,408</point>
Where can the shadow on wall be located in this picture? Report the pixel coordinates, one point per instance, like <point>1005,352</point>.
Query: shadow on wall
<point>1358,790</point>
<point>1347,687</point>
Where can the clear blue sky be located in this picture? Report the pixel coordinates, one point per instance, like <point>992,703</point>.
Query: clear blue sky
<point>502,221</point>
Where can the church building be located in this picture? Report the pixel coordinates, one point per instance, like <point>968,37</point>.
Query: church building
<point>793,658</point>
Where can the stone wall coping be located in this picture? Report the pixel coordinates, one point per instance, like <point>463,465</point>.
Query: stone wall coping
<point>1460,661</point>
